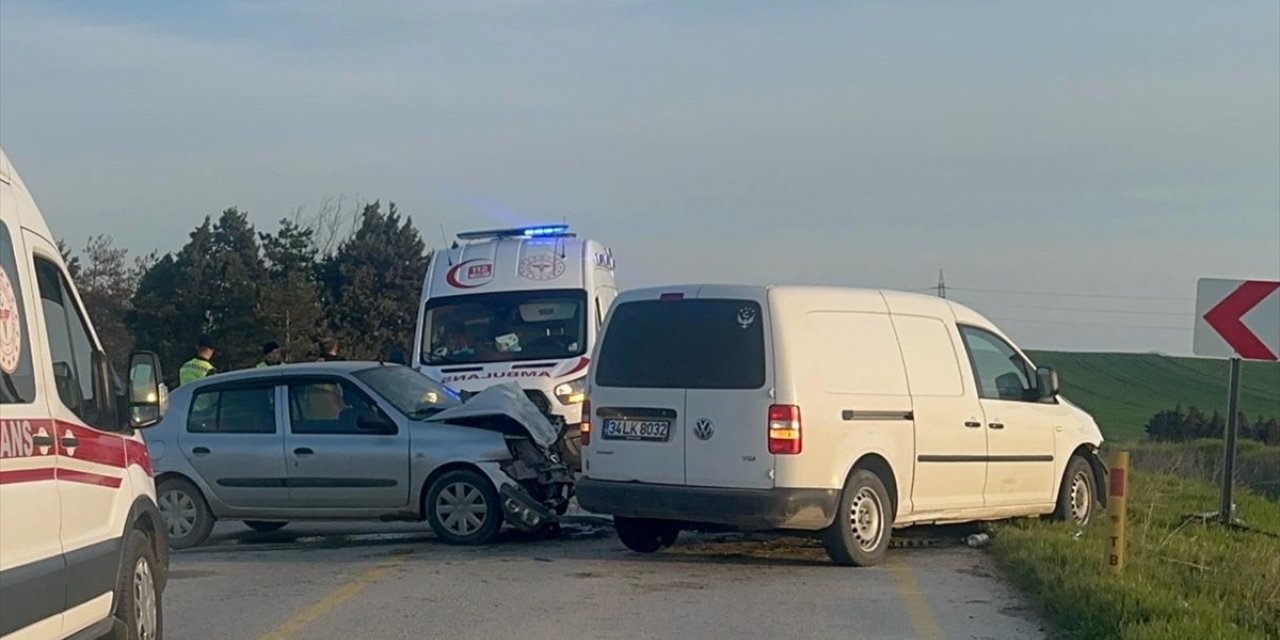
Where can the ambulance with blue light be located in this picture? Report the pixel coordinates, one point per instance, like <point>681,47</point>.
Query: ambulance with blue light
<point>521,305</point>
<point>83,546</point>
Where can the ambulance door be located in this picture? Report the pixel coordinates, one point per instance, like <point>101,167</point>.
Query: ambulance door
<point>33,590</point>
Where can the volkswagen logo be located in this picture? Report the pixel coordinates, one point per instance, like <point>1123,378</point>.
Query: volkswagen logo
<point>704,429</point>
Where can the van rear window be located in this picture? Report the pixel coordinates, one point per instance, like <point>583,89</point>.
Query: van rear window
<point>686,344</point>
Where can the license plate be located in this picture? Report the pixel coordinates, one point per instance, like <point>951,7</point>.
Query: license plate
<point>655,430</point>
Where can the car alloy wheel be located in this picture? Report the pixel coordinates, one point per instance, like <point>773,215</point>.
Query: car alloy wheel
<point>462,508</point>
<point>179,512</point>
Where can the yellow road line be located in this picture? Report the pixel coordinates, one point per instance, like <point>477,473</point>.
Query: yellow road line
<point>913,600</point>
<point>331,601</point>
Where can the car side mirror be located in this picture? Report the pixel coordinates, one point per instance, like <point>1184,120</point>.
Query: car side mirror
<point>1047,382</point>
<point>148,396</point>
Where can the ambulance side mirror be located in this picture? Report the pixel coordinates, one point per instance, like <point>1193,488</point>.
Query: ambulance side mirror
<point>148,395</point>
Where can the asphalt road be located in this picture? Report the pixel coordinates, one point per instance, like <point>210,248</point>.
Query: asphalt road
<point>375,581</point>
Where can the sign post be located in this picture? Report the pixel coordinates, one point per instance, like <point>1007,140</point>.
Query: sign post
<point>1240,320</point>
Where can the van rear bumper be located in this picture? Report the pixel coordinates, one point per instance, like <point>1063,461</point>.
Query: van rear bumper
<point>746,509</point>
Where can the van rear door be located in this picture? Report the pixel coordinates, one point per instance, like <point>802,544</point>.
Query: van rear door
<point>638,393</point>
<point>728,380</point>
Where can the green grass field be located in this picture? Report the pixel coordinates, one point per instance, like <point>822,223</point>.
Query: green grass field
<point>1123,390</point>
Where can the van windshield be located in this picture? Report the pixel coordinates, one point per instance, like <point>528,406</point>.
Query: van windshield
<point>687,344</point>
<point>504,327</point>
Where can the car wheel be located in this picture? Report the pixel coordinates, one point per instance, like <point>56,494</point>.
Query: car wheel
<point>463,508</point>
<point>186,514</point>
<point>138,611</point>
<point>860,534</point>
<point>1076,496</point>
<point>645,536</point>
<point>262,526</point>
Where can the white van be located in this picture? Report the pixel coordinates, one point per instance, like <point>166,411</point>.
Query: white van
<point>83,551</point>
<point>841,411</point>
<point>518,305</point>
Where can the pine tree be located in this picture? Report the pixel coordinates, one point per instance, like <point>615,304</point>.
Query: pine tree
<point>372,283</point>
<point>291,311</point>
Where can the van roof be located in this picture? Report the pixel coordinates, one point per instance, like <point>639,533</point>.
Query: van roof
<point>961,312</point>
<point>21,211</point>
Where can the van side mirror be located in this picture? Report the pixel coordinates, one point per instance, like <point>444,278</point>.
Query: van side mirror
<point>148,396</point>
<point>1047,382</point>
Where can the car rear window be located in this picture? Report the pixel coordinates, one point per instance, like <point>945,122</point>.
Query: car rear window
<point>684,344</point>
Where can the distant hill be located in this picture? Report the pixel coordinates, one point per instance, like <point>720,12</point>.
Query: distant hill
<point>1123,390</point>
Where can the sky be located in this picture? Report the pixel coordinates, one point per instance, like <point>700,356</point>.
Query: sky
<point>1073,168</point>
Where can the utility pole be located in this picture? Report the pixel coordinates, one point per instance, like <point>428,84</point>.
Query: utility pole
<point>942,284</point>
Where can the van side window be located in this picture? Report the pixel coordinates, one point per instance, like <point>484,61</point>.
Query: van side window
<point>17,376</point>
<point>70,346</point>
<point>1002,373</point>
<point>243,410</point>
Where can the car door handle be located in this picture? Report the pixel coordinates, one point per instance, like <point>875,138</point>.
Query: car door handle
<point>201,451</point>
<point>996,425</point>
<point>303,451</point>
<point>973,424</point>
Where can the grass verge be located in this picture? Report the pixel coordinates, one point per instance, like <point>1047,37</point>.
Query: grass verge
<point>1183,579</point>
<point>1257,464</point>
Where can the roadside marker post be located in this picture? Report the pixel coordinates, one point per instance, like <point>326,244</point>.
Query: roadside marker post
<point>1238,320</point>
<point>1117,511</point>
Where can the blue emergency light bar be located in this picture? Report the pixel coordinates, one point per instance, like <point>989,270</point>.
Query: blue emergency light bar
<point>539,231</point>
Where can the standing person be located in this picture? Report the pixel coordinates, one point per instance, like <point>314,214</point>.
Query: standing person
<point>200,366</point>
<point>329,350</point>
<point>271,354</point>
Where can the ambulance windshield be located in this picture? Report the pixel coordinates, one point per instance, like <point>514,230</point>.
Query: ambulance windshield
<point>505,327</point>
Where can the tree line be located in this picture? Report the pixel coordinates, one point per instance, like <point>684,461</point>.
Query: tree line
<point>1179,425</point>
<point>354,278</point>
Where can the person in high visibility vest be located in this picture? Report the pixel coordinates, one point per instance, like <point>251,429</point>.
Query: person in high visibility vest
<point>271,355</point>
<point>200,366</point>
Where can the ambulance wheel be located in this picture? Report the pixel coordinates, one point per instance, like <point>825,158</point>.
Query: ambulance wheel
<point>859,536</point>
<point>262,526</point>
<point>138,612</point>
<point>186,514</point>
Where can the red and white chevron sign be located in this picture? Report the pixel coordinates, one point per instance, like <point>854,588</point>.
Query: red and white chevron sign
<point>1238,319</point>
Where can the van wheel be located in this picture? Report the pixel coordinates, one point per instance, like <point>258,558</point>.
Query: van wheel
<point>463,508</point>
<point>860,534</point>
<point>138,613</point>
<point>262,526</point>
<point>186,514</point>
<point>1076,496</point>
<point>645,536</point>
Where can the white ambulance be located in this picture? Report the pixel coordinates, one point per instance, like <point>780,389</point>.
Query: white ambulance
<point>83,551</point>
<point>518,305</point>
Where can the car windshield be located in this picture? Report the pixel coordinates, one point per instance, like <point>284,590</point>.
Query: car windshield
<point>412,393</point>
<point>505,327</point>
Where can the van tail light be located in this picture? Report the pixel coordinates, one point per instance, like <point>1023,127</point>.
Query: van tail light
<point>584,428</point>
<point>784,430</point>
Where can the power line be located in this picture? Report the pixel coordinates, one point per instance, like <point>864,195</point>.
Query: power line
<point>1069,294</point>
<point>1094,324</point>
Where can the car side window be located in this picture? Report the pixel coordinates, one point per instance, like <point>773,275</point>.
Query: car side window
<point>17,375</point>
<point>1002,373</point>
<point>70,346</point>
<point>242,410</point>
<point>328,407</point>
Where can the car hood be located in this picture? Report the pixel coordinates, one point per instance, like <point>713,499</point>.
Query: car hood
<point>503,408</point>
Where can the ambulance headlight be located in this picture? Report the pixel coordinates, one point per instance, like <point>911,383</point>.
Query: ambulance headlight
<point>572,392</point>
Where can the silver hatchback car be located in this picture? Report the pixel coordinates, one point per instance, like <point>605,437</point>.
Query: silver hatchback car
<point>353,440</point>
